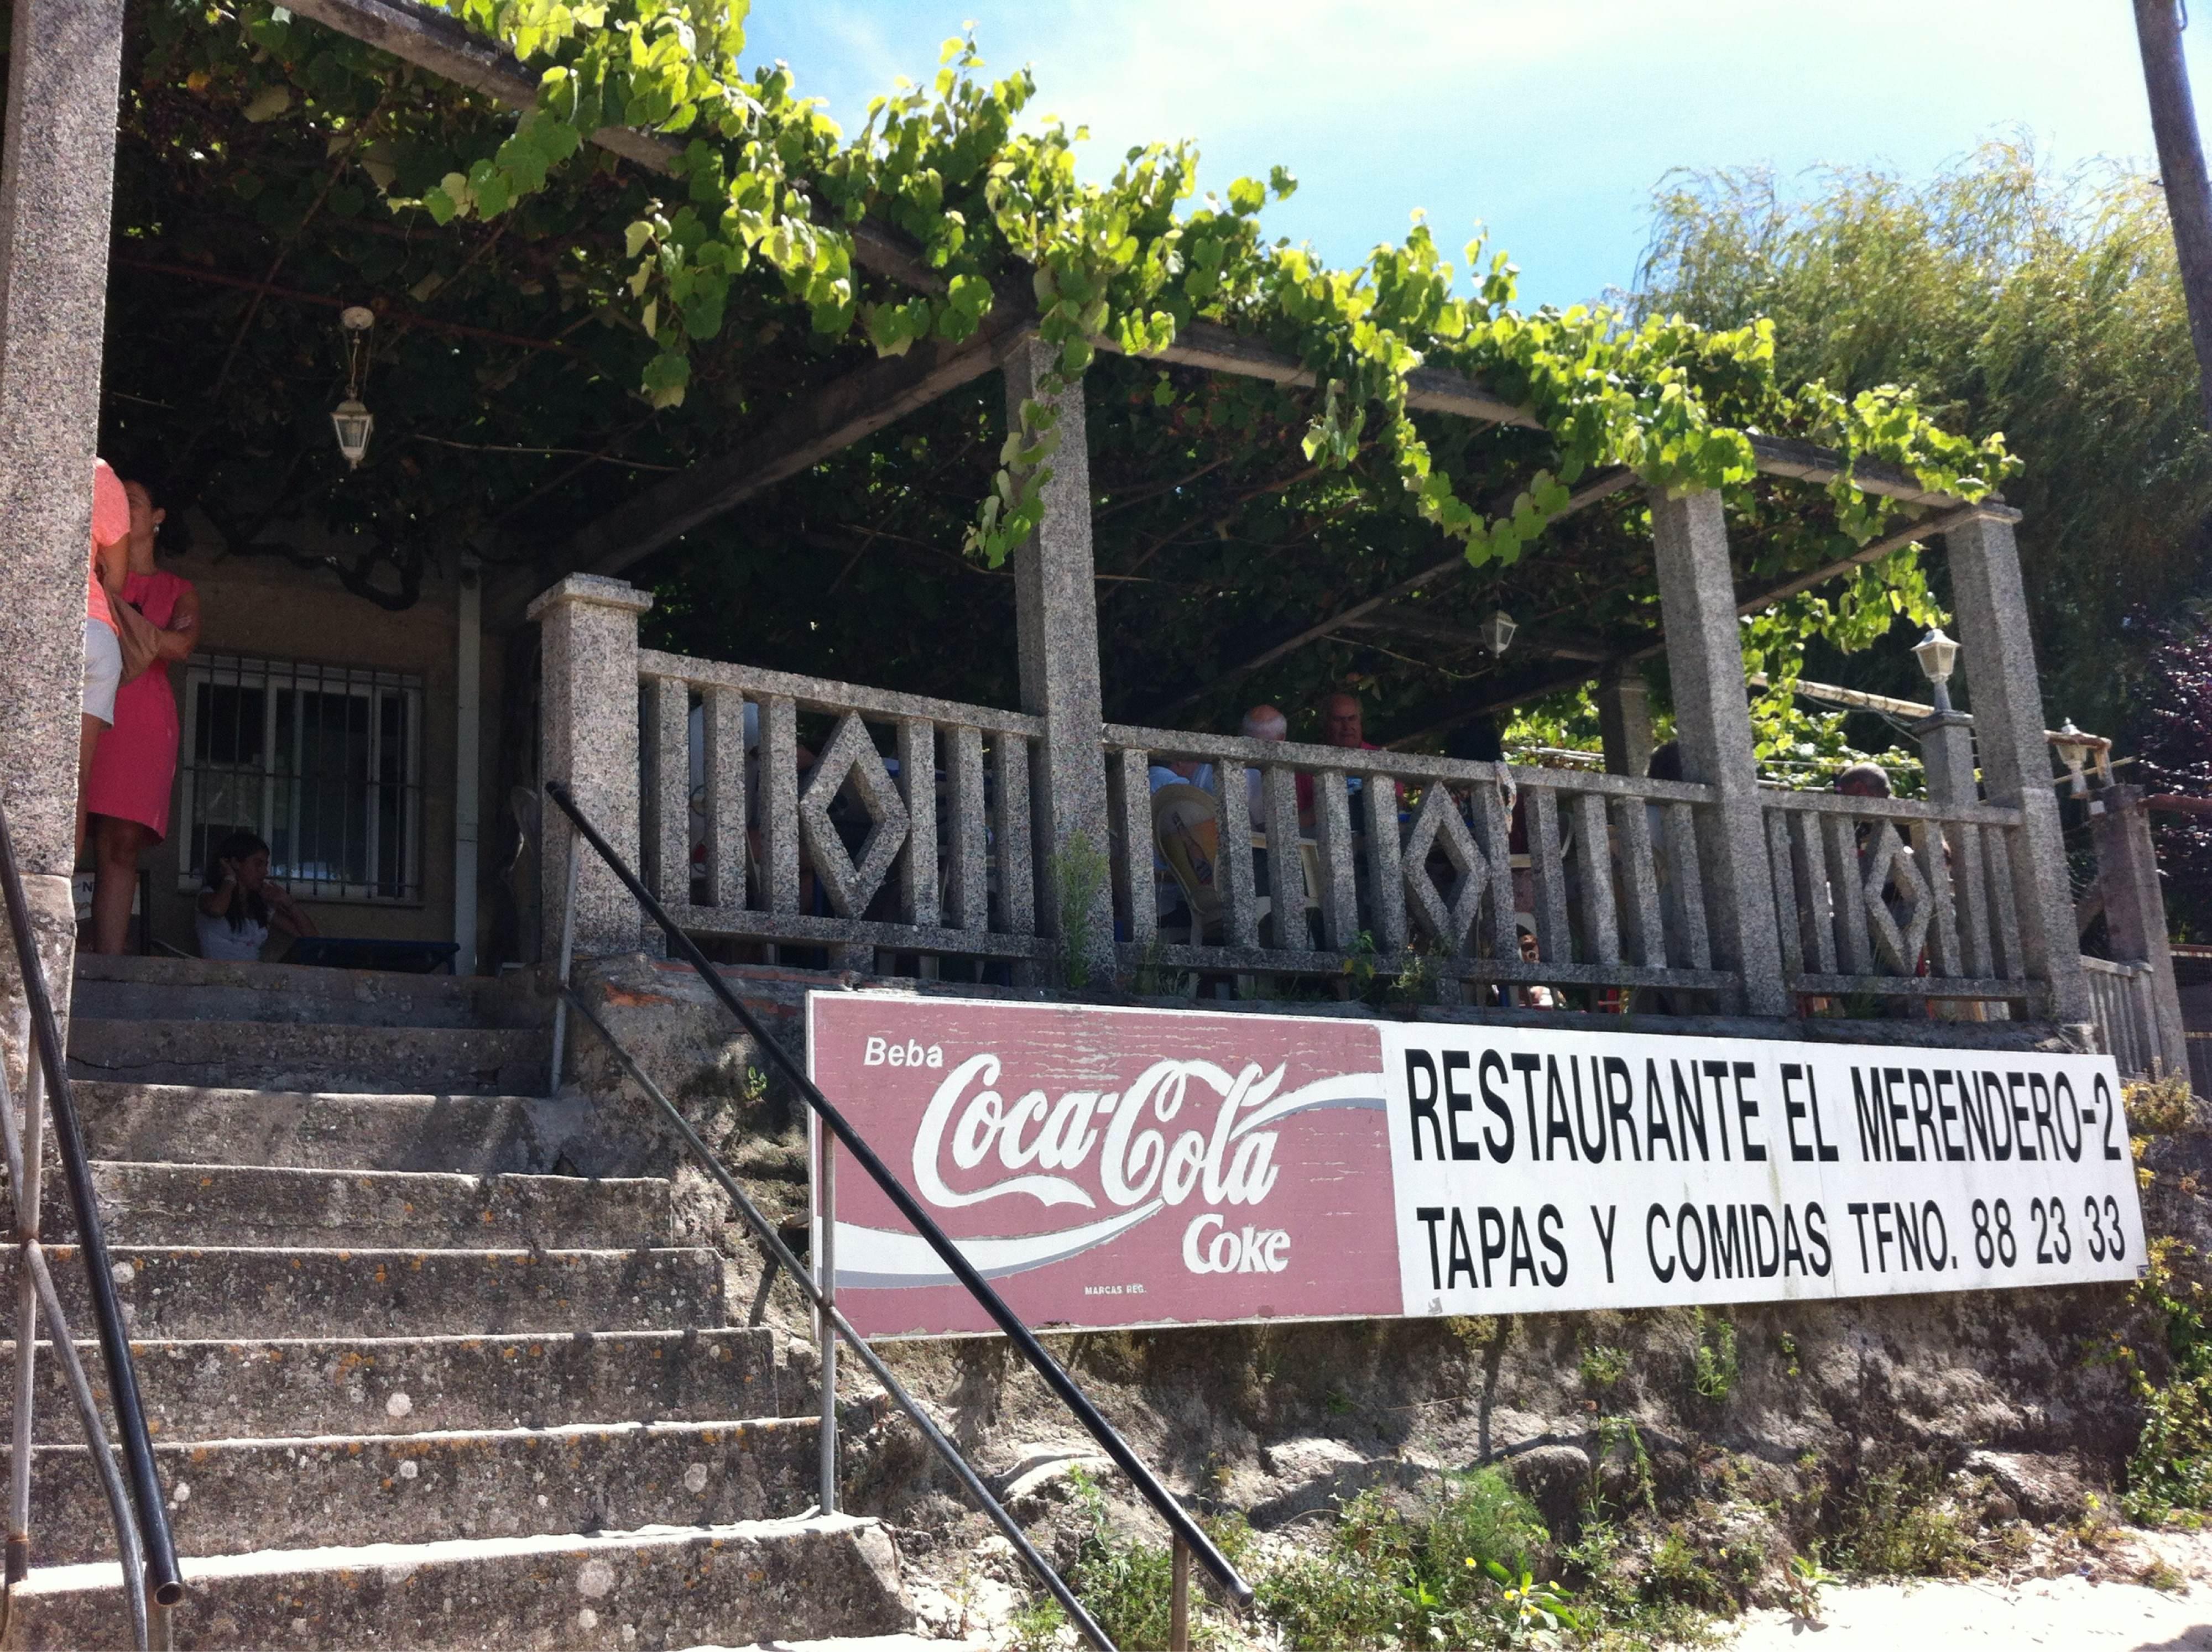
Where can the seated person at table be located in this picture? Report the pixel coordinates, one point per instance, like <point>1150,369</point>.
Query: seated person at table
<point>239,905</point>
<point>1266,723</point>
<point>1343,724</point>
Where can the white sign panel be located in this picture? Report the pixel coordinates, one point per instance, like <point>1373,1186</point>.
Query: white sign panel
<point>1539,1171</point>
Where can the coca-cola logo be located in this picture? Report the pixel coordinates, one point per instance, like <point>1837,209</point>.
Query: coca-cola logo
<point>1181,1132</point>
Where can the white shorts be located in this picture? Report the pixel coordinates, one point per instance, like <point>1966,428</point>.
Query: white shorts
<point>103,670</point>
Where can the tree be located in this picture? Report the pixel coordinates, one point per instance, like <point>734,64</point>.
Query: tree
<point>2181,169</point>
<point>2174,739</point>
<point>2047,307</point>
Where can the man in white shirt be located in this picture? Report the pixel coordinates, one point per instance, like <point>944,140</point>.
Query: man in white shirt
<point>1261,723</point>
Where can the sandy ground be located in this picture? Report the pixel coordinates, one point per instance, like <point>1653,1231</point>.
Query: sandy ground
<point>2059,1613</point>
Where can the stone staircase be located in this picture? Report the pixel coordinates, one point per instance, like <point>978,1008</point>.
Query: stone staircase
<point>407,1387</point>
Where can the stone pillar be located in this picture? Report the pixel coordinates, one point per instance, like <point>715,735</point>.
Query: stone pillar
<point>1712,720</point>
<point>1624,718</point>
<point>56,172</point>
<point>588,634</point>
<point>1999,656</point>
<point>1056,610</point>
<point>1947,752</point>
<point>2134,911</point>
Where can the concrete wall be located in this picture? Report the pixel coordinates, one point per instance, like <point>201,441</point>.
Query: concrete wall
<point>260,607</point>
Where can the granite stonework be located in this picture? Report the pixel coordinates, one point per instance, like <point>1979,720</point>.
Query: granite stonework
<point>56,172</point>
<point>1057,615</point>
<point>1946,756</point>
<point>2134,911</point>
<point>1624,720</point>
<point>55,182</point>
<point>587,629</point>
<point>1712,720</point>
<point>1997,650</point>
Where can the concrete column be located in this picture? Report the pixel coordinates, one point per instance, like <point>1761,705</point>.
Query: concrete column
<point>2135,910</point>
<point>56,172</point>
<point>1998,654</point>
<point>1712,720</point>
<point>1056,609</point>
<point>1624,718</point>
<point>587,633</point>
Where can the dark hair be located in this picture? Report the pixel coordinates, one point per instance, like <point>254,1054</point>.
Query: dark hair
<point>1666,762</point>
<point>1870,775</point>
<point>174,537</point>
<point>240,845</point>
<point>1476,740</point>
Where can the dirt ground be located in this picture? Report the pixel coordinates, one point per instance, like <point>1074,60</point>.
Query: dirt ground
<point>2060,1612</point>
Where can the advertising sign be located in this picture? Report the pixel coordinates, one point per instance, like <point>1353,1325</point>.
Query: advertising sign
<point>1113,1168</point>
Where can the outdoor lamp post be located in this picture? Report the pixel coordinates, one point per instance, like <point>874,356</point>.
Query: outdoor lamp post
<point>350,419</point>
<point>1936,653</point>
<point>2074,749</point>
<point>1497,632</point>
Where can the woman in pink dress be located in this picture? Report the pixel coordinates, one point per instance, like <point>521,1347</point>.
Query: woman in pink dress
<point>127,793</point>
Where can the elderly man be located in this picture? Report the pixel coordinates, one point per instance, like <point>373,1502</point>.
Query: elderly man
<point>1266,723</point>
<point>1343,725</point>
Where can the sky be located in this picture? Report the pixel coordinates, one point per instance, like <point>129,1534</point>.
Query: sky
<point>1546,123</point>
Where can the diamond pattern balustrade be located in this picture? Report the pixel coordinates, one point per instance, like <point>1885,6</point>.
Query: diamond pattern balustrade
<point>851,759</point>
<point>1437,825</point>
<point>1890,867</point>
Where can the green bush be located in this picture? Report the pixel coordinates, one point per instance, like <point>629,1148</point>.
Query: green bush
<point>1426,1579</point>
<point>1901,1522</point>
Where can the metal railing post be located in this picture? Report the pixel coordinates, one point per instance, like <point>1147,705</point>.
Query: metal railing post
<point>568,952</point>
<point>26,1314</point>
<point>825,1278</point>
<point>1179,1599</point>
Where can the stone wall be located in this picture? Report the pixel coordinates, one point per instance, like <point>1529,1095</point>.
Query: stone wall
<point>2016,1390</point>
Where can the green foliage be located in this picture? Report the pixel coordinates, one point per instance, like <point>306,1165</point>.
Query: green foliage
<point>1603,1366</point>
<point>1128,1584</point>
<point>2170,1475</point>
<point>1459,1572</point>
<point>2158,1107</point>
<point>1078,868</point>
<point>1807,1578</point>
<point>1714,1364</point>
<point>769,186</point>
<point>1903,1523</point>
<point>2041,304</point>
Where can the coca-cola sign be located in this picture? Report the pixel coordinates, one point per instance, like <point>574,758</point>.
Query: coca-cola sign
<point>1109,1167</point>
<point>1112,1167</point>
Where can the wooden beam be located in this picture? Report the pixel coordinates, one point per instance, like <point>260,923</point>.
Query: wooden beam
<point>449,49</point>
<point>1602,486</point>
<point>825,422</point>
<point>1399,621</point>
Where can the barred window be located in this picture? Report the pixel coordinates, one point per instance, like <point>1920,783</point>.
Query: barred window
<point>323,761</point>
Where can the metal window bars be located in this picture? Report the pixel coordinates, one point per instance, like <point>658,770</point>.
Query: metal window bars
<point>1189,1538</point>
<point>148,1554</point>
<point>323,761</point>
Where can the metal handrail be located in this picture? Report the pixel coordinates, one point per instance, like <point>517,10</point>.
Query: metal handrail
<point>148,1553</point>
<point>1187,1531</point>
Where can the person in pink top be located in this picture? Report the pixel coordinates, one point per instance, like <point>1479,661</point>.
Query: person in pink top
<point>127,792</point>
<point>103,652</point>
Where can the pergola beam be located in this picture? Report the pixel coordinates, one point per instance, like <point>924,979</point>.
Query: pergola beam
<point>1396,621</point>
<point>822,424</point>
<point>1602,486</point>
<point>448,48</point>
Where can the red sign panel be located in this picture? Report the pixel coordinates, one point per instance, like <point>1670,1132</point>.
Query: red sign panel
<point>1109,1167</point>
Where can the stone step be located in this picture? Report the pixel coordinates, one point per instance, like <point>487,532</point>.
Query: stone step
<point>332,1059</point>
<point>473,1135</point>
<point>210,1389</point>
<point>642,1591</point>
<point>856,1643</point>
<point>232,1496</point>
<point>164,989</point>
<point>189,1293</point>
<point>142,1204</point>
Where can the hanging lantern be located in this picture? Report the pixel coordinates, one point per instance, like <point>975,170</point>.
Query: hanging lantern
<point>1497,632</point>
<point>350,420</point>
<point>1936,654</point>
